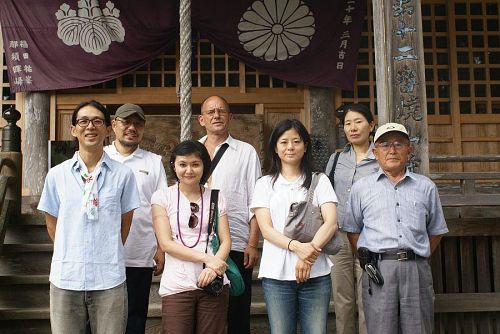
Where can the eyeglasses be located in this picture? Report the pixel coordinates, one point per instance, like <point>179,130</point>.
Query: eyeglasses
<point>193,219</point>
<point>385,145</point>
<point>221,111</point>
<point>128,122</point>
<point>84,122</point>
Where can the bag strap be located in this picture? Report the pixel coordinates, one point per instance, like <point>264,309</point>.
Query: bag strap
<point>217,158</point>
<point>214,199</point>
<point>312,187</point>
<point>331,176</point>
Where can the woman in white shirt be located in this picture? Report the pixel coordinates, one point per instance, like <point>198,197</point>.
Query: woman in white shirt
<point>295,275</point>
<point>181,217</point>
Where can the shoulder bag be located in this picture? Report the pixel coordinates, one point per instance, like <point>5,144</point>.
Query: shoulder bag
<point>237,286</point>
<point>304,220</point>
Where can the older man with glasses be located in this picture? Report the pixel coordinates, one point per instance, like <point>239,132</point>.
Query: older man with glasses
<point>235,175</point>
<point>143,257</point>
<point>395,221</point>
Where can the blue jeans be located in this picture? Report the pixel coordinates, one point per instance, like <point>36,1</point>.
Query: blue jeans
<point>285,300</point>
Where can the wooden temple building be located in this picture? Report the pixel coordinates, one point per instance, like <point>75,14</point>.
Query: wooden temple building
<point>456,129</point>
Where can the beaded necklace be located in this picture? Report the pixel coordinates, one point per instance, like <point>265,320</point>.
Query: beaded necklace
<point>178,223</point>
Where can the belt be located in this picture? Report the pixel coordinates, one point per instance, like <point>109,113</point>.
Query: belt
<point>400,255</point>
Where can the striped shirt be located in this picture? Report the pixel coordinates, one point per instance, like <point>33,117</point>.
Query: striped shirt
<point>395,216</point>
<point>347,172</point>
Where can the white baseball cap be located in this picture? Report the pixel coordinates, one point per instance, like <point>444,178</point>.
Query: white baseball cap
<point>390,127</point>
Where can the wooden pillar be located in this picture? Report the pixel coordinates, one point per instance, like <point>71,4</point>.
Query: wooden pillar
<point>400,68</point>
<point>322,125</point>
<point>36,125</point>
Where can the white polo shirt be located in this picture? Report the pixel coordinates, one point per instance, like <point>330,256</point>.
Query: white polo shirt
<point>150,176</point>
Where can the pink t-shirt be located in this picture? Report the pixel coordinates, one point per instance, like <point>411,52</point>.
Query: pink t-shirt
<point>180,275</point>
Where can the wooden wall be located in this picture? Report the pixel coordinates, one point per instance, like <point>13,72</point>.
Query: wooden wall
<point>466,266</point>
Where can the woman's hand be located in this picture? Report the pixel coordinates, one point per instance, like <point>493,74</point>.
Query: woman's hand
<point>206,276</point>
<point>306,251</point>
<point>302,271</point>
<point>216,264</point>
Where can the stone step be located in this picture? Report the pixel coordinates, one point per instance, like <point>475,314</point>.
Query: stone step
<point>25,263</point>
<point>17,291</point>
<point>154,311</point>
<point>28,248</point>
<point>258,325</point>
<point>25,326</point>
<point>27,234</point>
<point>36,218</point>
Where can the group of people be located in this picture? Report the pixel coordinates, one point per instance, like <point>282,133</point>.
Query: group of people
<point>115,223</point>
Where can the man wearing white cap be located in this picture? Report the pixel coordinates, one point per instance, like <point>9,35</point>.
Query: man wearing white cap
<point>395,222</point>
<point>141,246</point>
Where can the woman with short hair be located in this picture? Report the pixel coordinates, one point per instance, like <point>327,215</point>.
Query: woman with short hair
<point>355,161</point>
<point>181,218</point>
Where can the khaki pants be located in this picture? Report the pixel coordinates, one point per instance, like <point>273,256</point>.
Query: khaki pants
<point>346,290</point>
<point>106,309</point>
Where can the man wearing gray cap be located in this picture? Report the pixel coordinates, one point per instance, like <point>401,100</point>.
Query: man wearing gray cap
<point>142,256</point>
<point>395,222</point>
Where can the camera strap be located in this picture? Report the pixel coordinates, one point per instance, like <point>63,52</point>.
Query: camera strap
<point>214,199</point>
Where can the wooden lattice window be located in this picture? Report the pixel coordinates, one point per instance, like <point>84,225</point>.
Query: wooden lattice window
<point>210,67</point>
<point>436,57</point>
<point>478,56</point>
<point>213,68</point>
<point>161,72</point>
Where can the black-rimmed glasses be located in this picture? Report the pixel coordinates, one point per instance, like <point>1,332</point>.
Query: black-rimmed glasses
<point>84,122</point>
<point>193,219</point>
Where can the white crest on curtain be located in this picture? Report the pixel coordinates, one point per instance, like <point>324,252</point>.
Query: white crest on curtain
<point>276,29</point>
<point>92,28</point>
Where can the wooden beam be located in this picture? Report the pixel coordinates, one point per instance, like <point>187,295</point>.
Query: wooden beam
<point>383,50</point>
<point>1,62</point>
<point>466,176</point>
<point>467,200</point>
<point>167,95</point>
<point>467,302</point>
<point>473,227</point>
<point>466,158</point>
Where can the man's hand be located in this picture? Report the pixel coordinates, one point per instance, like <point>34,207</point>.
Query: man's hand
<point>159,259</point>
<point>250,257</point>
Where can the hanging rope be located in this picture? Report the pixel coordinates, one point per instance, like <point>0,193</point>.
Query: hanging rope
<point>185,68</point>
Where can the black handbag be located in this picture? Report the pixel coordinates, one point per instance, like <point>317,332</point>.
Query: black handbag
<point>304,220</point>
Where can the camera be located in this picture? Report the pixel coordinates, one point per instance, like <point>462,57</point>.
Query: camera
<point>215,287</point>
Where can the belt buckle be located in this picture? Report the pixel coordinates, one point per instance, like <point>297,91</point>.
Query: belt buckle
<point>402,255</point>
